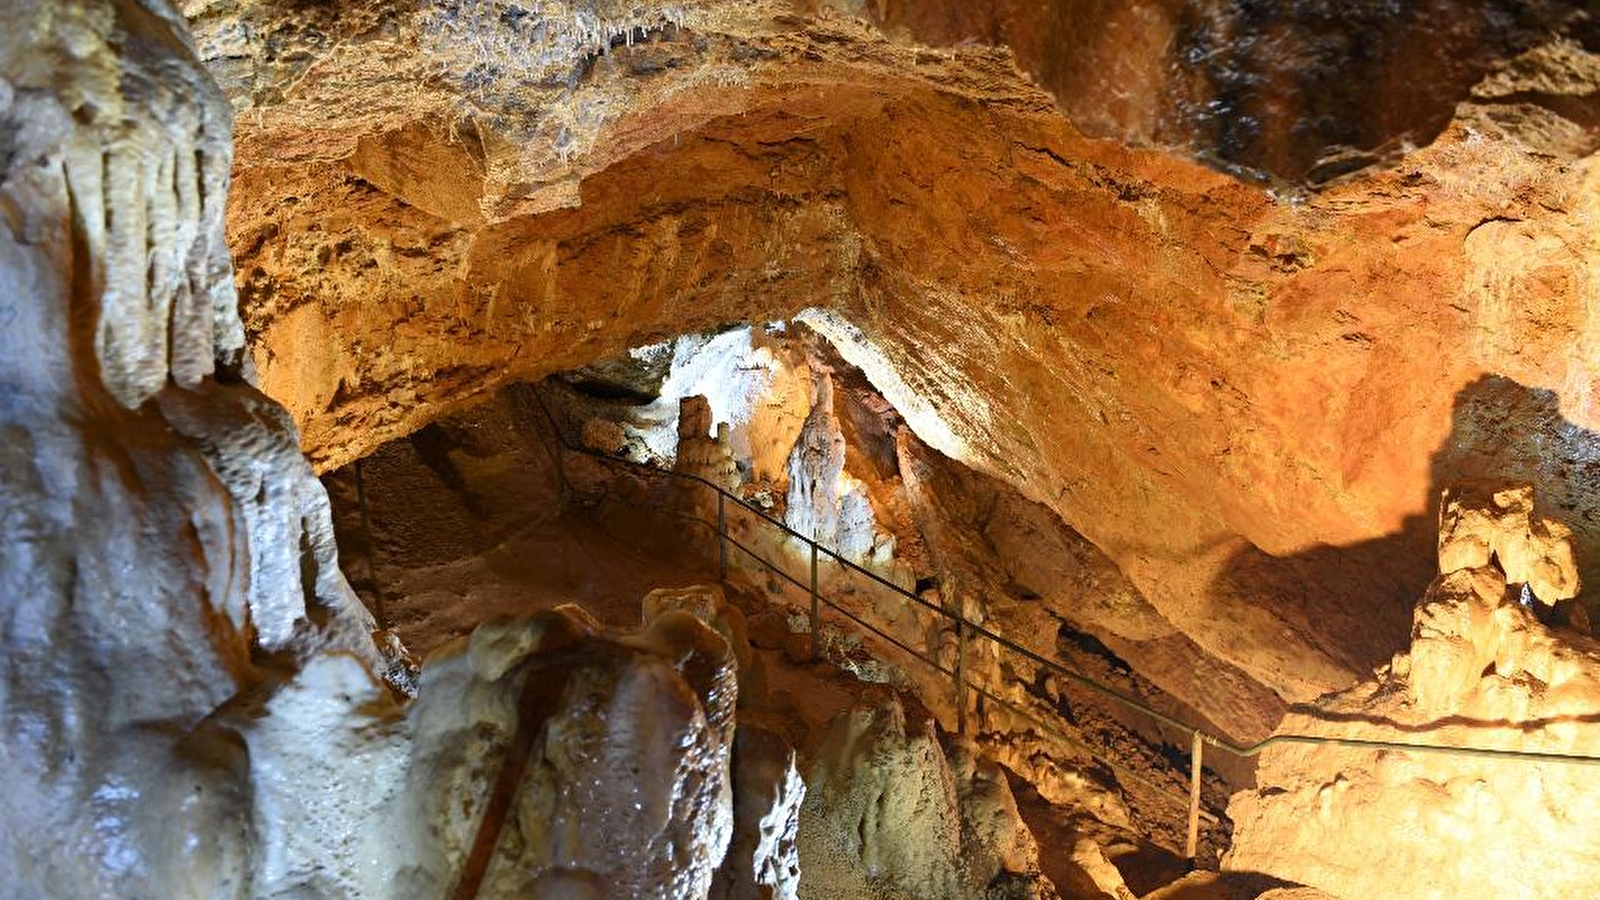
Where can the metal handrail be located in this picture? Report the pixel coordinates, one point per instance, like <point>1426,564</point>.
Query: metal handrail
<point>1200,738</point>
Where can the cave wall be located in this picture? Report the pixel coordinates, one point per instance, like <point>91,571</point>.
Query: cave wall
<point>1246,396</point>
<point>166,543</point>
<point>1300,91</point>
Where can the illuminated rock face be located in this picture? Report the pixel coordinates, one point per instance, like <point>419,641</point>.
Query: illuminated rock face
<point>1483,527</point>
<point>703,448</point>
<point>1482,671</point>
<point>162,533</point>
<point>815,506</point>
<point>1246,397</point>
<point>888,814</point>
<point>187,704</point>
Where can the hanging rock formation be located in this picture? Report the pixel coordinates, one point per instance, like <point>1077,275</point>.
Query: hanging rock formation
<point>163,534</point>
<point>1482,671</point>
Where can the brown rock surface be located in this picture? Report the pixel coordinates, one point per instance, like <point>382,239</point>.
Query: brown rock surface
<point>1245,397</point>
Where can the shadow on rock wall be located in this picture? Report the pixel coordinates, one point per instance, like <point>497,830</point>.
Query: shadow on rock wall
<point>1306,90</point>
<point>1354,602</point>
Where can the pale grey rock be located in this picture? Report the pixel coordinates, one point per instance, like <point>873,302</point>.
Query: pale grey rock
<point>816,466</point>
<point>888,815</point>
<point>158,516</point>
<point>763,861</point>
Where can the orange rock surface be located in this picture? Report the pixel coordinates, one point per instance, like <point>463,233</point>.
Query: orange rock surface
<point>1246,396</point>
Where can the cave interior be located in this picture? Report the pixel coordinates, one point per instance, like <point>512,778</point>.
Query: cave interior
<point>799,449</point>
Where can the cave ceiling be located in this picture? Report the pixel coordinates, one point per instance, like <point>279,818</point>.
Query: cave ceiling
<point>1230,290</point>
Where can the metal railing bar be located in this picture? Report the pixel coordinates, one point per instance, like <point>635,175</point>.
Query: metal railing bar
<point>776,523</point>
<point>1092,752</point>
<point>769,564</point>
<point>1080,679</point>
<point>978,688</point>
<point>1210,739</point>
<point>888,584</point>
<point>936,666</point>
<point>1379,744</point>
<point>841,610</point>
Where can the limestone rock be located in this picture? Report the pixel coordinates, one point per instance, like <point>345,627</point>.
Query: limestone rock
<point>1097,878</point>
<point>604,436</point>
<point>826,503</point>
<point>888,814</point>
<point>763,861</point>
<point>1100,323</point>
<point>163,535</point>
<point>1202,885</point>
<point>1480,524</point>
<point>709,604</point>
<point>1482,671</point>
<point>701,451</point>
<point>624,743</point>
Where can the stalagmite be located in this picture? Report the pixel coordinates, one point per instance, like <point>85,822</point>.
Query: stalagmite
<point>889,814</point>
<point>1482,671</point>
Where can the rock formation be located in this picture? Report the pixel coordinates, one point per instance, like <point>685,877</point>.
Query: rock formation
<point>888,814</point>
<point>1234,350</point>
<point>763,860</point>
<point>816,470</point>
<point>701,451</point>
<point>187,689</point>
<point>1480,526</point>
<point>165,541</point>
<point>1232,389</point>
<point>350,796</point>
<point>1482,671</point>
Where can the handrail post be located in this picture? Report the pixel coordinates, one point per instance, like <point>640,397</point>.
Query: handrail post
<point>816,610</point>
<point>961,673</point>
<point>722,536</point>
<point>1196,755</point>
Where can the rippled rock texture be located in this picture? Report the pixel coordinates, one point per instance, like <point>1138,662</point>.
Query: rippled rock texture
<point>165,543</point>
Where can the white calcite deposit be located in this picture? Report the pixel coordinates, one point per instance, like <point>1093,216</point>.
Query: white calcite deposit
<point>890,815</point>
<point>1482,671</point>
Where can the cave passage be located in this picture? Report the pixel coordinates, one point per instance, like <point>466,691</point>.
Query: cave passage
<point>799,449</point>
